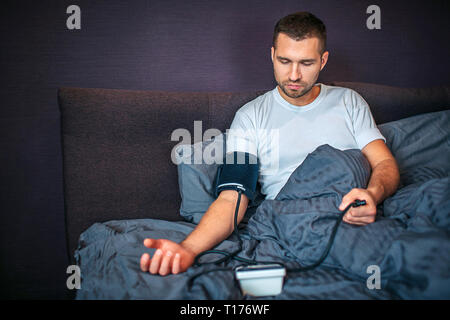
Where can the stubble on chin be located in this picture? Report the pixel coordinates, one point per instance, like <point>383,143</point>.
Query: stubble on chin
<point>293,94</point>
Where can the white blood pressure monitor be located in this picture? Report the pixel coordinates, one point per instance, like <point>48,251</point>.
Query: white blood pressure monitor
<point>261,280</point>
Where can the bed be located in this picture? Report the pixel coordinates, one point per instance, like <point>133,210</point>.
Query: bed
<point>121,187</point>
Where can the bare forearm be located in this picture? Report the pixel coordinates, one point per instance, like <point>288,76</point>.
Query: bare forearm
<point>384,180</point>
<point>216,225</point>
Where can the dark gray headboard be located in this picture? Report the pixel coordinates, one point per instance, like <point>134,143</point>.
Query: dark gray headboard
<point>393,103</point>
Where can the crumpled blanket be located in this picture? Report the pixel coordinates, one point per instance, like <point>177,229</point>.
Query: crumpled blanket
<point>408,243</point>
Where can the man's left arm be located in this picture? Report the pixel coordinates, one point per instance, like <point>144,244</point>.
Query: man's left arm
<point>383,182</point>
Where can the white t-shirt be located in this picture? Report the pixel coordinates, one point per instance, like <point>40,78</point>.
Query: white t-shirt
<point>281,135</point>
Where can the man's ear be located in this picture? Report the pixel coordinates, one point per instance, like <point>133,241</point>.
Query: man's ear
<point>272,51</point>
<point>323,60</point>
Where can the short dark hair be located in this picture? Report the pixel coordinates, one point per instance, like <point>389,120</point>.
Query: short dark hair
<point>302,25</point>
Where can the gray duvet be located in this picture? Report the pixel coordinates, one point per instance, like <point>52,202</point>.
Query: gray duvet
<point>409,243</point>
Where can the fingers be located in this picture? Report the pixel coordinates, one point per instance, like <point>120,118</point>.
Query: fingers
<point>145,261</point>
<point>161,263</point>
<point>151,243</point>
<point>176,264</point>
<point>361,221</point>
<point>148,243</point>
<point>156,260</point>
<point>356,194</point>
<point>360,216</point>
<point>165,264</point>
<point>349,199</point>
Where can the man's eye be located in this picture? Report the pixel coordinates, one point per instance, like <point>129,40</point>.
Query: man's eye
<point>284,62</point>
<point>307,64</point>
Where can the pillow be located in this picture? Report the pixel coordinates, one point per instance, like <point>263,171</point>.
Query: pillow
<point>197,166</point>
<point>421,146</point>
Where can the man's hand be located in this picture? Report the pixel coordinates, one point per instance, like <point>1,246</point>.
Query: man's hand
<point>215,226</point>
<point>361,215</point>
<point>383,182</point>
<point>169,257</point>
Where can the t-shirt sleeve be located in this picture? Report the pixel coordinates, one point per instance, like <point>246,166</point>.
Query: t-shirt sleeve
<point>241,137</point>
<point>364,126</point>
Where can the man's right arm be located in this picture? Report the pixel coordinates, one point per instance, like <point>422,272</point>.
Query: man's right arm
<point>215,226</point>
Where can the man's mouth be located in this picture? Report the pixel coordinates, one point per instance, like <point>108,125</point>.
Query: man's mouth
<point>294,86</point>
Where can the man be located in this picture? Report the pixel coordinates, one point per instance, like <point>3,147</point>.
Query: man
<point>306,115</point>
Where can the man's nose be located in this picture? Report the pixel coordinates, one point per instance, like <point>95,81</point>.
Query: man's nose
<point>295,73</point>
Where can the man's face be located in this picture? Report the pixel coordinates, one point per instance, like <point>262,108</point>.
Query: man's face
<point>296,66</point>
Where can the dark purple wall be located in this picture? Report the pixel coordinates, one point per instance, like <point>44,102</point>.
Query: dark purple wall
<point>163,45</point>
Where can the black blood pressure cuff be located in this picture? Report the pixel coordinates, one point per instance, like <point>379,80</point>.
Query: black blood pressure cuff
<point>239,171</point>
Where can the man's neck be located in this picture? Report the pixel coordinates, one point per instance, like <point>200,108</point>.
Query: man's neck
<point>303,100</point>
